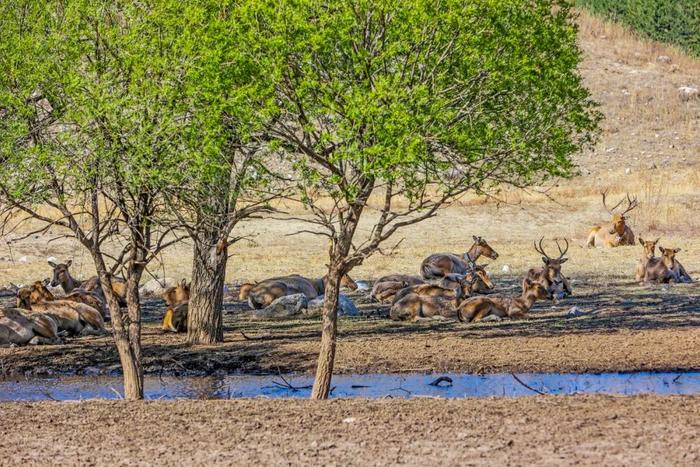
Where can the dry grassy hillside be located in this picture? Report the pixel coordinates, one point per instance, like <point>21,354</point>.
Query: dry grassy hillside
<point>649,147</point>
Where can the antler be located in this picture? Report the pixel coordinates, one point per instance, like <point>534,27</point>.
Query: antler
<point>540,250</point>
<point>562,253</point>
<point>604,193</point>
<point>631,204</point>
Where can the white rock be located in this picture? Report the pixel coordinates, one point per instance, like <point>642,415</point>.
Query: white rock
<point>23,259</point>
<point>688,92</point>
<point>628,171</point>
<point>506,268</point>
<point>574,312</point>
<point>663,59</point>
<point>349,420</point>
<point>52,259</point>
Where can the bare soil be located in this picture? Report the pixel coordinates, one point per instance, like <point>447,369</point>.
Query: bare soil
<point>582,430</point>
<point>624,327</point>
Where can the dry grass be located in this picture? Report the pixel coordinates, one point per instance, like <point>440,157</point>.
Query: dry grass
<point>648,148</point>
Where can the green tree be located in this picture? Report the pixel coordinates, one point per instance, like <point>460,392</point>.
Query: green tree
<point>416,102</point>
<point>91,121</point>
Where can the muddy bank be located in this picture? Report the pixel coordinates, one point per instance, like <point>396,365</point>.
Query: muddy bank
<point>589,430</point>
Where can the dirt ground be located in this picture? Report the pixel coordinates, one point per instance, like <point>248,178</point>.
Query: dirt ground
<point>623,327</point>
<point>581,430</point>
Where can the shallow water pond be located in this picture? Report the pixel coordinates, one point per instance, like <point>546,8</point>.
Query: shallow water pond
<point>367,385</point>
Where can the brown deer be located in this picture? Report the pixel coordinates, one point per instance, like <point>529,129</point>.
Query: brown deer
<point>427,300</point>
<point>20,328</point>
<point>475,309</point>
<point>385,288</point>
<point>550,274</point>
<point>438,265</point>
<point>269,290</point>
<point>617,232</point>
<point>72,317</point>
<point>664,269</point>
<point>177,299</point>
<point>62,277</point>
<point>649,252</point>
<point>244,290</point>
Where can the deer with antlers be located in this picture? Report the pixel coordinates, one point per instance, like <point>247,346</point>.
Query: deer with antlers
<point>616,232</point>
<point>550,274</point>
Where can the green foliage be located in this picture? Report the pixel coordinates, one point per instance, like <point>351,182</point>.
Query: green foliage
<point>403,91</point>
<point>674,21</point>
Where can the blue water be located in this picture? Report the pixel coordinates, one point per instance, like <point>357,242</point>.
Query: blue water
<point>368,385</point>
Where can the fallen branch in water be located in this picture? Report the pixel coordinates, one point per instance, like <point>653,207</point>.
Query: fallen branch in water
<point>528,387</point>
<point>442,379</point>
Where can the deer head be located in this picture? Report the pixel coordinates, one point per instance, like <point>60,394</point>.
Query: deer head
<point>480,247</point>
<point>553,265</point>
<point>537,290</point>
<point>649,247</point>
<point>347,282</point>
<point>669,255</point>
<point>618,218</point>
<point>61,275</point>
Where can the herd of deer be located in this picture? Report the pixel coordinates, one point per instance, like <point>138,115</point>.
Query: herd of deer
<point>449,285</point>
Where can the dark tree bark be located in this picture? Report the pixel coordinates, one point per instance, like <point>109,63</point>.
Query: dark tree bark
<point>205,313</point>
<point>326,355</point>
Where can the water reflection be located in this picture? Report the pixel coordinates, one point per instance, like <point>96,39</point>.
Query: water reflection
<point>369,386</point>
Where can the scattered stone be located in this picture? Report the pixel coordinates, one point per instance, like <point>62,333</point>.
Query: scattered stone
<point>52,259</point>
<point>663,59</point>
<point>575,312</point>
<point>346,307</point>
<point>628,171</point>
<point>362,285</point>
<point>490,318</point>
<point>349,420</point>
<point>23,259</point>
<point>687,92</point>
<point>506,269</point>
<point>156,287</point>
<point>283,307</point>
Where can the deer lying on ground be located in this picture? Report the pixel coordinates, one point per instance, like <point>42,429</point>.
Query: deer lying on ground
<point>550,274</point>
<point>62,277</point>
<point>19,328</point>
<point>475,309</point>
<point>72,317</point>
<point>438,265</point>
<point>177,299</point>
<point>469,284</point>
<point>616,232</point>
<point>649,252</point>
<point>385,288</point>
<point>666,268</point>
<point>427,301</point>
<point>265,292</point>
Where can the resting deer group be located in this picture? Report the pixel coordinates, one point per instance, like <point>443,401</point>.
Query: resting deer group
<point>616,232</point>
<point>438,265</point>
<point>17,327</point>
<point>663,269</point>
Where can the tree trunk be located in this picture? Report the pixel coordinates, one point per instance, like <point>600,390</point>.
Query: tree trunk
<point>205,312</point>
<point>125,329</point>
<point>326,355</point>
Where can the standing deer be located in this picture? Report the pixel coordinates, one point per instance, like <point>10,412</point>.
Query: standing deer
<point>616,232</point>
<point>475,309</point>
<point>438,265</point>
<point>649,252</point>
<point>550,274</point>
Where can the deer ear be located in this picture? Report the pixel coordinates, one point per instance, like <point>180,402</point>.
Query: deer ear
<point>677,250</point>
<point>475,238</point>
<point>545,260</point>
<point>657,240</point>
<point>641,241</point>
<point>52,264</point>
<point>662,249</point>
<point>563,260</point>
<point>69,262</point>
<point>527,282</point>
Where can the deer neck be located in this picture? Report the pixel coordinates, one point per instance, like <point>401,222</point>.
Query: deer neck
<point>473,253</point>
<point>70,284</point>
<point>319,285</point>
<point>619,228</point>
<point>527,299</point>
